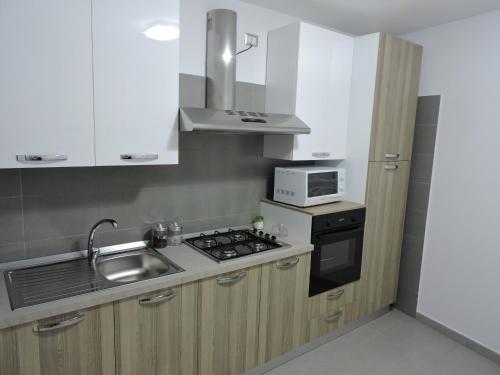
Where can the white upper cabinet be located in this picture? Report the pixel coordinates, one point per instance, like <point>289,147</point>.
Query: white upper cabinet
<point>136,81</point>
<point>309,75</point>
<point>46,109</point>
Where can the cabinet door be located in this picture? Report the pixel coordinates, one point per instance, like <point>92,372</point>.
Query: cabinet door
<point>385,213</point>
<point>228,322</point>
<point>46,84</point>
<point>76,343</point>
<point>283,306</point>
<point>156,333</point>
<point>395,105</point>
<point>136,80</point>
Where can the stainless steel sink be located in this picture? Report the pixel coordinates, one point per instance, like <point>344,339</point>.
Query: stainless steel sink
<point>134,266</point>
<point>50,282</point>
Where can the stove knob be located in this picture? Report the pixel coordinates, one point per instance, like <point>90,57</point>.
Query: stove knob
<point>273,238</point>
<point>254,230</point>
<point>267,235</point>
<point>261,233</point>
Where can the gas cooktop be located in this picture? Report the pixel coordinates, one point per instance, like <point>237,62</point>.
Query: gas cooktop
<point>223,246</point>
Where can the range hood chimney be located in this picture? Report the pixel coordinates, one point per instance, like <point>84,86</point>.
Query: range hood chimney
<point>220,114</point>
<point>221,59</point>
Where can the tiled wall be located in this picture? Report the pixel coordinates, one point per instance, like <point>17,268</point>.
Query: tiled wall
<point>218,183</point>
<point>417,203</point>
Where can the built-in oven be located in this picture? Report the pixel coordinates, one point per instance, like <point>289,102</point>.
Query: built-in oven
<point>338,250</point>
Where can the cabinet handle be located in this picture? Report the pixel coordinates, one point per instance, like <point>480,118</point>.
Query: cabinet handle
<point>288,265</point>
<point>323,155</point>
<point>139,156</point>
<point>334,317</point>
<point>335,295</point>
<point>225,280</point>
<point>390,167</point>
<point>392,156</point>
<point>159,298</point>
<point>38,157</point>
<point>58,325</point>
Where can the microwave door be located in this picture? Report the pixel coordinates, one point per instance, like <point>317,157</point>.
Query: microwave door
<point>322,184</point>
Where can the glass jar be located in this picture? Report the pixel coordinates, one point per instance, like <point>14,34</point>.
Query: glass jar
<point>174,234</point>
<point>160,235</point>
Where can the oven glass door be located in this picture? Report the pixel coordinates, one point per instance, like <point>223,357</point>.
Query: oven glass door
<point>336,259</point>
<point>321,184</point>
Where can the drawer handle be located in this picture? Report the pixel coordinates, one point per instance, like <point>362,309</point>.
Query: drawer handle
<point>390,167</point>
<point>335,295</point>
<point>159,298</point>
<point>288,265</point>
<point>391,156</point>
<point>37,157</point>
<point>58,325</point>
<point>334,317</point>
<point>226,280</point>
<point>321,155</point>
<point>139,156</point>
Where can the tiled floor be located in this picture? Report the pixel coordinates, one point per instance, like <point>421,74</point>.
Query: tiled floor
<point>394,344</point>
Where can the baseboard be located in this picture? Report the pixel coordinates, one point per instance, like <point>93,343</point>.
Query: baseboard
<point>458,337</point>
<point>268,366</point>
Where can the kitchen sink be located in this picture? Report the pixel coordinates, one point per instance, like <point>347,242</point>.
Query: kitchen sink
<point>50,282</point>
<point>134,266</point>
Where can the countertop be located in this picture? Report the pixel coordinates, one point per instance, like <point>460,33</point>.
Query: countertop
<point>321,209</point>
<point>196,265</point>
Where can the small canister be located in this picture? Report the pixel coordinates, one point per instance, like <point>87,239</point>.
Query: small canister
<point>174,234</point>
<point>160,235</point>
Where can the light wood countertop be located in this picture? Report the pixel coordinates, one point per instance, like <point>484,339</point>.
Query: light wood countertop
<point>321,209</point>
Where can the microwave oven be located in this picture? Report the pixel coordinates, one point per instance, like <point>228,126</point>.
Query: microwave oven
<point>308,186</point>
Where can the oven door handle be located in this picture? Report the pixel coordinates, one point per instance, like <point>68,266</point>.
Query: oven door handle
<point>336,233</point>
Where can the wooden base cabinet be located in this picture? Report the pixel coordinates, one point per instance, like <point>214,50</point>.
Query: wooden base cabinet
<point>385,214</point>
<point>283,306</point>
<point>80,343</point>
<point>156,333</point>
<point>228,323</point>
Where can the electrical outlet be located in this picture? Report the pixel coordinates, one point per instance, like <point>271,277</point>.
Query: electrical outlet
<point>251,40</point>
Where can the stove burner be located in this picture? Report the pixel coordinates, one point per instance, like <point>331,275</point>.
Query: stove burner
<point>232,244</point>
<point>259,246</point>
<point>208,243</point>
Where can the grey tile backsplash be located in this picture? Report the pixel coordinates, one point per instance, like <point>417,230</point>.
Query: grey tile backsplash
<point>417,202</point>
<point>218,183</point>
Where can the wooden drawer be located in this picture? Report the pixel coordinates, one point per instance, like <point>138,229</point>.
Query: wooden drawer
<point>328,302</point>
<point>328,322</point>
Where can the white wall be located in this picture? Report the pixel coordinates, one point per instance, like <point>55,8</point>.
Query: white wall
<point>460,281</point>
<point>251,65</point>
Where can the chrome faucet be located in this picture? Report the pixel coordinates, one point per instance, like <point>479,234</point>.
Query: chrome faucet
<point>93,253</point>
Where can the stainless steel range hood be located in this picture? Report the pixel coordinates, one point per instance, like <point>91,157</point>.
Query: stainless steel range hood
<point>219,114</point>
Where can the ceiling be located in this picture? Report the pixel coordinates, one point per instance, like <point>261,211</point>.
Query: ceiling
<point>365,16</point>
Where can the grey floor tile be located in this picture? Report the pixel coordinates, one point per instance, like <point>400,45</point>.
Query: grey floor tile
<point>11,220</point>
<point>392,344</point>
<point>10,183</point>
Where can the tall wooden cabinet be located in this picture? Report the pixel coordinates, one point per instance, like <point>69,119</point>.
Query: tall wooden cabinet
<point>228,311</point>
<point>80,343</point>
<point>156,333</point>
<point>396,89</point>
<point>393,124</point>
<point>283,306</point>
<point>386,203</point>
